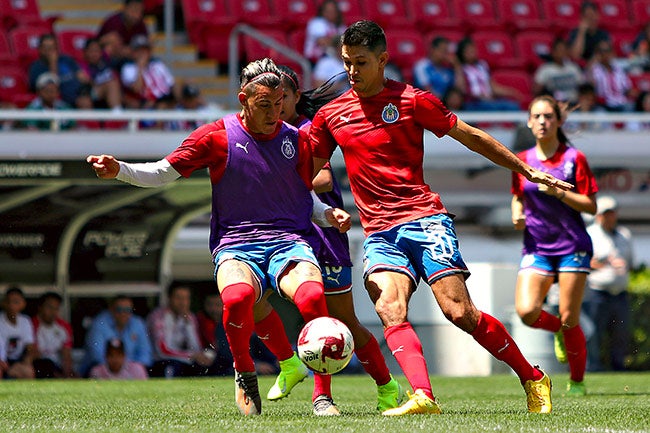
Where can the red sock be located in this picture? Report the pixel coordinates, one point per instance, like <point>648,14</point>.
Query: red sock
<point>576,352</point>
<point>310,300</point>
<point>322,385</point>
<point>548,322</point>
<point>493,336</point>
<point>271,331</point>
<point>407,350</point>
<point>238,300</point>
<point>373,361</point>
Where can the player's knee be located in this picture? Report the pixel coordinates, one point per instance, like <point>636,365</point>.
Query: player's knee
<point>238,294</point>
<point>528,313</point>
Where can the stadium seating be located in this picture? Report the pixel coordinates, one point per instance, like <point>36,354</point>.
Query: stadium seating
<point>516,79</point>
<point>390,14</point>
<point>254,50</point>
<point>533,46</point>
<point>640,12</point>
<point>15,13</point>
<point>641,82</point>
<point>614,14</point>
<point>622,40</point>
<point>478,15</point>
<point>406,48</point>
<point>13,86</point>
<point>434,15</point>
<point>72,42</point>
<point>353,10</point>
<point>294,14</point>
<point>518,15</point>
<point>258,13</point>
<point>6,53</point>
<point>454,37</point>
<point>24,42</point>
<point>497,48</point>
<point>208,24</point>
<point>562,15</point>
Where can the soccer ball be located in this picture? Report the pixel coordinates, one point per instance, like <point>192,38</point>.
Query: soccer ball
<point>325,345</point>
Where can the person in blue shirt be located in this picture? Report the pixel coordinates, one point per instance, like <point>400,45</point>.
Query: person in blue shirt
<point>118,321</point>
<point>440,70</point>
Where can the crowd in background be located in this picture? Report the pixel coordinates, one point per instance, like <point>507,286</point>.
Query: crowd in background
<point>117,70</point>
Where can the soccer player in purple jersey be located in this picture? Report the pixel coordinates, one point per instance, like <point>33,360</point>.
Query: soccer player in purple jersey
<point>260,242</point>
<point>379,126</point>
<point>556,243</point>
<point>334,257</point>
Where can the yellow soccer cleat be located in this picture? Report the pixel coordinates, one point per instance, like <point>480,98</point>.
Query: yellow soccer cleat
<point>418,403</point>
<point>538,395</point>
<point>292,372</point>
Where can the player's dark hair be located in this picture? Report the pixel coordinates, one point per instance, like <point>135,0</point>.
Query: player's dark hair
<point>560,111</point>
<point>312,100</point>
<point>260,72</point>
<point>367,34</point>
<point>289,77</point>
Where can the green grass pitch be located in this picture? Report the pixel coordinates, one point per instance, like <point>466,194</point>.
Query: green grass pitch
<point>616,403</point>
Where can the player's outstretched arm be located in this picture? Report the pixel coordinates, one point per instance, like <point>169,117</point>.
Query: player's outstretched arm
<point>483,143</point>
<point>105,166</point>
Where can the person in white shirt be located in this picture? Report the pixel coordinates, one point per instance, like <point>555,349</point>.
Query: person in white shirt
<point>18,334</point>
<point>327,24</point>
<point>607,302</point>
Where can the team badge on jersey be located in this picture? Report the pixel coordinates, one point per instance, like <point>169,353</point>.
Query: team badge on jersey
<point>390,114</point>
<point>288,149</point>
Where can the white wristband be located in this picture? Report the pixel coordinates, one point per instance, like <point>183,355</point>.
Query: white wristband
<point>318,211</point>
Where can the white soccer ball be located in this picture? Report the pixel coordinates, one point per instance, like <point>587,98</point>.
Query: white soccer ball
<point>325,345</point>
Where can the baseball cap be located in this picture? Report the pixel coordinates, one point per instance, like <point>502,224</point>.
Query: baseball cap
<point>605,203</point>
<point>140,41</point>
<point>46,78</point>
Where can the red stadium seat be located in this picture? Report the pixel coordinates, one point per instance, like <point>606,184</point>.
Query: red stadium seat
<point>199,14</point>
<point>478,15</point>
<point>24,42</point>
<point>641,82</point>
<point>521,14</point>
<point>254,50</point>
<point>433,15</point>
<point>622,41</point>
<point>72,42</point>
<point>533,46</point>
<point>294,14</point>
<point>353,10</point>
<point>614,14</point>
<point>6,53</point>
<point>296,40</point>
<point>562,15</point>
<point>516,79</point>
<point>389,13</point>
<point>405,47</point>
<point>13,86</point>
<point>640,12</point>
<point>23,12</point>
<point>257,13</point>
<point>498,49</point>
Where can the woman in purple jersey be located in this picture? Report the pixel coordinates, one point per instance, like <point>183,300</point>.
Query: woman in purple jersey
<point>557,246</point>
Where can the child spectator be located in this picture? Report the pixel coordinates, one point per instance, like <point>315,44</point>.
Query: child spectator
<point>18,334</point>
<point>105,84</point>
<point>53,337</point>
<point>48,98</point>
<point>117,366</point>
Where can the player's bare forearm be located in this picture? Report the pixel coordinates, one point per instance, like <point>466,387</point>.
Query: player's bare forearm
<point>484,144</point>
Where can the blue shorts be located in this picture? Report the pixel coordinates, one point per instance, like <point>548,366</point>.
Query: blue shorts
<point>268,260</point>
<point>337,279</point>
<point>551,265</point>
<point>426,248</point>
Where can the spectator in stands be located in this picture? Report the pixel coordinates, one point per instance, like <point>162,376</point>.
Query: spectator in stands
<point>329,64</point>
<point>641,48</point>
<point>440,70</point>
<point>613,85</point>
<point>64,67</point>
<point>118,321</point>
<point>116,365</point>
<point>583,39</point>
<point>559,77</point>
<point>105,84</point>
<point>146,79</point>
<point>175,335</point>
<point>53,338</point>
<point>3,359</point>
<point>213,338</point>
<point>328,23</point>
<point>48,98</point>
<point>18,334</point>
<point>642,105</point>
<point>483,94</point>
<point>587,103</point>
<point>118,29</point>
<point>454,99</point>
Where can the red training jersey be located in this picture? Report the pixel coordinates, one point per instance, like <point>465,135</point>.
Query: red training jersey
<point>382,140</point>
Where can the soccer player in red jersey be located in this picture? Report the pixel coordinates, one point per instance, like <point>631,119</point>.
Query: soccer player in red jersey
<point>379,125</point>
<point>263,242</point>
